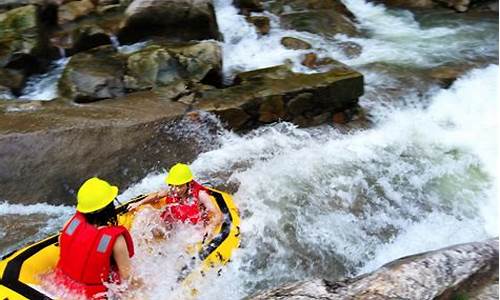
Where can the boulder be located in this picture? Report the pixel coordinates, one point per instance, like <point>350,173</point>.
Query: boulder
<point>323,22</point>
<point>350,49</point>
<point>273,94</point>
<point>262,23</point>
<point>81,38</point>
<point>93,75</point>
<point>150,67</point>
<point>457,5</point>
<point>12,79</point>
<point>286,6</point>
<point>457,272</point>
<point>22,39</point>
<point>176,20</point>
<point>248,6</point>
<point>201,61</point>
<point>408,4</point>
<point>47,150</point>
<point>295,43</point>
<point>105,73</point>
<point>74,10</point>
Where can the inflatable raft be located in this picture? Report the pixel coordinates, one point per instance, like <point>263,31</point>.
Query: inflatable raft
<point>20,270</point>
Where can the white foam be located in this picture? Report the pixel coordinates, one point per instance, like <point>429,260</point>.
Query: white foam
<point>395,37</point>
<point>44,86</point>
<point>39,208</point>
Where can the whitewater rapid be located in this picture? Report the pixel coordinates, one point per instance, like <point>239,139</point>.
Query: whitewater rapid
<point>321,203</point>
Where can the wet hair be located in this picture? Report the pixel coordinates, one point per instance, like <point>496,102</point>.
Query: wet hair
<point>103,217</point>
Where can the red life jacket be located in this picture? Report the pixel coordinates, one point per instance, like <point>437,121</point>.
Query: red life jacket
<point>185,209</point>
<point>86,255</point>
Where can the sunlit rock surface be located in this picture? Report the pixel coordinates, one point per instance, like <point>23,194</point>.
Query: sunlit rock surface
<point>104,72</point>
<point>47,149</point>
<point>21,35</point>
<point>182,20</point>
<point>467,270</point>
<point>274,94</point>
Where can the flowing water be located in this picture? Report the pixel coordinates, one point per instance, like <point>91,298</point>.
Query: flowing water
<point>321,203</point>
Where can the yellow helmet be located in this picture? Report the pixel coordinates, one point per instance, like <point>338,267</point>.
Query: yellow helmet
<point>95,194</point>
<point>179,174</point>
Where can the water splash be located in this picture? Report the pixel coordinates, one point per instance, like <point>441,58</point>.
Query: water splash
<point>44,86</point>
<point>394,36</point>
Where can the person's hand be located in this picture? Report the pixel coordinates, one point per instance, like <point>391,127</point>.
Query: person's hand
<point>133,206</point>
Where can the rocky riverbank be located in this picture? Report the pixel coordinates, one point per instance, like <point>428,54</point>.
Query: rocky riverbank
<point>467,271</point>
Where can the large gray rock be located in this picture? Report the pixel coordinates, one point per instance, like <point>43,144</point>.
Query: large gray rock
<point>105,73</point>
<point>323,22</point>
<point>22,38</point>
<point>93,75</point>
<point>457,272</point>
<point>247,6</point>
<point>48,149</point>
<point>321,17</point>
<point>165,63</point>
<point>177,20</point>
<point>74,10</point>
<point>274,94</point>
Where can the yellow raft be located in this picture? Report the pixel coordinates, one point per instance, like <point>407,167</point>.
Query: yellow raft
<point>20,270</point>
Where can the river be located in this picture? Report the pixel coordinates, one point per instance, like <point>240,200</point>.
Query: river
<point>321,202</point>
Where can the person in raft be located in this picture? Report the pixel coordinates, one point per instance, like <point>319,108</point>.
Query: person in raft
<point>94,249</point>
<point>186,201</point>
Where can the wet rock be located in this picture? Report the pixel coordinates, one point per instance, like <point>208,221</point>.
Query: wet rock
<point>179,20</point>
<point>202,61</point>
<point>150,67</point>
<point>164,63</point>
<point>104,73</point>
<point>339,118</point>
<point>6,93</point>
<point>327,23</point>
<point>270,73</point>
<point>12,79</point>
<point>493,6</point>
<point>458,5</point>
<point>294,43</point>
<point>22,39</point>
<point>107,2</point>
<point>446,75</point>
<point>407,3</point>
<point>247,6</point>
<point>272,109</point>
<point>262,24</point>
<point>93,75</point>
<point>46,153</point>
<point>350,49</point>
<point>300,104</point>
<point>276,93</point>
<point>74,10</point>
<point>285,6</point>
<point>83,38</point>
<point>310,60</point>
<point>449,273</point>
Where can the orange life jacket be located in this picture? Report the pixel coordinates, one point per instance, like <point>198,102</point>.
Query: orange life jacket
<point>85,262</point>
<point>185,209</point>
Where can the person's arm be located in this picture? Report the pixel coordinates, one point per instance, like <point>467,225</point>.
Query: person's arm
<point>122,259</point>
<point>155,196</point>
<point>215,213</point>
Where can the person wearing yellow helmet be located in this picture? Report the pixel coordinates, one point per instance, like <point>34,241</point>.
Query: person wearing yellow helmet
<point>186,201</point>
<point>94,249</point>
